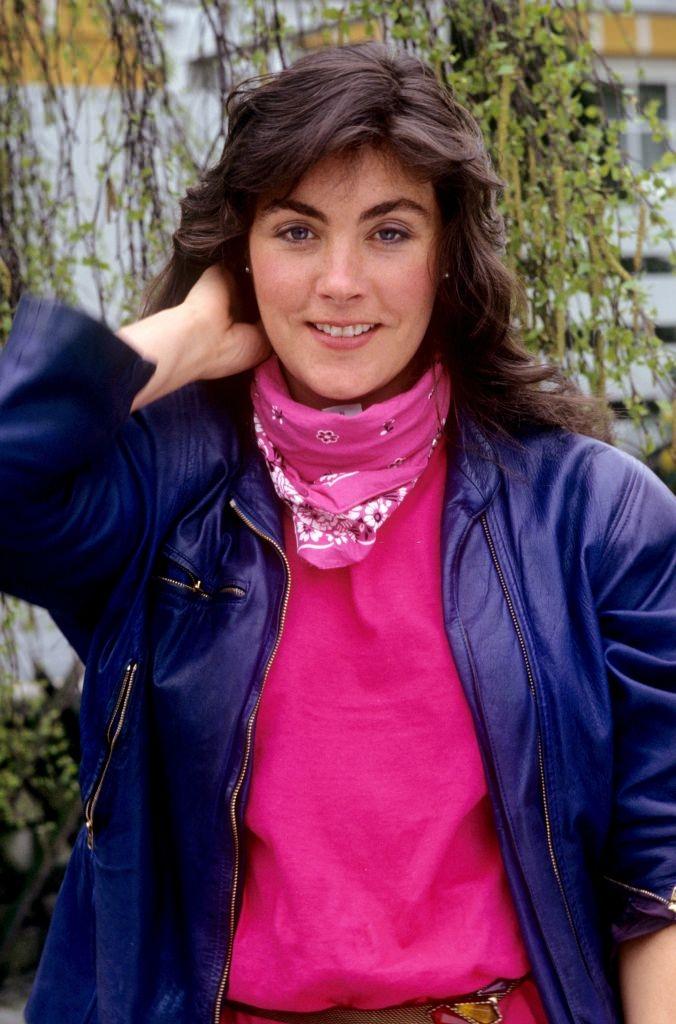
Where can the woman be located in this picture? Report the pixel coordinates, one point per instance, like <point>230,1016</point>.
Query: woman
<point>378,708</point>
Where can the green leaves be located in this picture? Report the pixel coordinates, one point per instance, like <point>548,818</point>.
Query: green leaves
<point>38,771</point>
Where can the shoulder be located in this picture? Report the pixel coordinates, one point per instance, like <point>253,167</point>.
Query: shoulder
<point>194,436</point>
<point>604,501</point>
<point>575,467</point>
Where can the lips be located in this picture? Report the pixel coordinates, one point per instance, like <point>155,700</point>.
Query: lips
<point>343,342</point>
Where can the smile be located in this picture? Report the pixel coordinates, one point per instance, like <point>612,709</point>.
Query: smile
<point>348,337</point>
<point>345,331</point>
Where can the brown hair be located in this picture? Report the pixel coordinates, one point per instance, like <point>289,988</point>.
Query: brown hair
<point>340,100</point>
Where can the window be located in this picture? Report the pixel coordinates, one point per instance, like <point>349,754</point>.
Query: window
<point>648,91</point>
<point>612,100</point>
<point>652,149</point>
<point>666,332</point>
<point>203,73</point>
<point>649,265</point>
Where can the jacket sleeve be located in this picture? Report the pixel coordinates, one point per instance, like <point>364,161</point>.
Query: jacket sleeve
<point>78,474</point>
<point>636,604</point>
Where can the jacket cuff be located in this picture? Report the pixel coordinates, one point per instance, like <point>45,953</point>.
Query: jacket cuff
<point>634,913</point>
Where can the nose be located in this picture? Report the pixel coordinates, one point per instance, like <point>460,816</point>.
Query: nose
<point>340,277</point>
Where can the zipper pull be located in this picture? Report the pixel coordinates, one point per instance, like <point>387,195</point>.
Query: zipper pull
<point>90,833</point>
<point>672,902</point>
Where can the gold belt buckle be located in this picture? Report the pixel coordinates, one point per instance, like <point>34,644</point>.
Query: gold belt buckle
<point>480,1007</point>
<point>476,1011</point>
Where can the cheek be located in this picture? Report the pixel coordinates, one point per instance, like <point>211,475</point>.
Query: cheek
<point>278,288</point>
<point>411,291</point>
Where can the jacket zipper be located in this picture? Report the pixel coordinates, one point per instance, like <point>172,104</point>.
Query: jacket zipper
<point>669,903</point>
<point>540,758</point>
<point>245,760</point>
<point>195,586</point>
<point>112,733</point>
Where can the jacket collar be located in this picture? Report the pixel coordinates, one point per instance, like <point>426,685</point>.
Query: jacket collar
<point>473,473</point>
<point>255,495</point>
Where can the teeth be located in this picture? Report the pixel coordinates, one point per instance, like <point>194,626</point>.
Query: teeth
<point>344,332</point>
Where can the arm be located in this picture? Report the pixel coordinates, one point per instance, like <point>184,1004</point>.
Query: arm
<point>83,484</point>
<point>647,968</point>
<point>78,478</point>
<point>635,570</point>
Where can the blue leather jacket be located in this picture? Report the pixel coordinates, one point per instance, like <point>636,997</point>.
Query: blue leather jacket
<point>156,543</point>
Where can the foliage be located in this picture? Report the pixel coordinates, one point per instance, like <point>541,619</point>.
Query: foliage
<point>39,795</point>
<point>38,773</point>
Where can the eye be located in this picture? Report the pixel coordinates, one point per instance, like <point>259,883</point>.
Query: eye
<point>294,227</point>
<point>403,235</point>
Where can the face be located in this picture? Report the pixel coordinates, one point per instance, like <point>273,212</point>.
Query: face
<point>355,244</point>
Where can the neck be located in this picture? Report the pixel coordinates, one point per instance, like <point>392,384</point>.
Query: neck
<point>404,380</point>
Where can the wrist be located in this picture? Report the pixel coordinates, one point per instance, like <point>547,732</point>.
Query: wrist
<point>172,339</point>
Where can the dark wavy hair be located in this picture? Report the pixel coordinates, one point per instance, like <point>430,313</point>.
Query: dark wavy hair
<point>339,100</point>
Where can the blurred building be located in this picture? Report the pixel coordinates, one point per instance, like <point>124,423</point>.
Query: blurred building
<point>640,49</point>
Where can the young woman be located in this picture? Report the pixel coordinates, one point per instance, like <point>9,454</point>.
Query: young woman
<point>378,714</point>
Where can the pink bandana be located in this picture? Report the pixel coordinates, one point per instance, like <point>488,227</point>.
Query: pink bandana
<point>343,474</point>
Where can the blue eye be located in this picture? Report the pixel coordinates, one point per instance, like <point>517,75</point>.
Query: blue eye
<point>294,227</point>
<point>402,235</point>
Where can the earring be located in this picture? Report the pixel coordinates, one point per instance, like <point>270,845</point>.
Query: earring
<point>246,268</point>
<point>446,274</point>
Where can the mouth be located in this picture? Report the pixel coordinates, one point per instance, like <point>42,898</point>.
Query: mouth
<point>342,341</point>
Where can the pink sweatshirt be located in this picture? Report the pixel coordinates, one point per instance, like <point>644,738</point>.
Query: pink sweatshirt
<point>373,875</point>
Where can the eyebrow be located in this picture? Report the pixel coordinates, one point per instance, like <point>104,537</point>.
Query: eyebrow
<point>374,211</point>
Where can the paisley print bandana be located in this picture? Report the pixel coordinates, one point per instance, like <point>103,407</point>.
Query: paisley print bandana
<point>342,476</point>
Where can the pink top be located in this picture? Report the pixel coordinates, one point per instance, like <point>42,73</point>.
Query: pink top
<point>373,873</point>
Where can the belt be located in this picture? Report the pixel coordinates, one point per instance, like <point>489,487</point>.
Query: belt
<point>480,1007</point>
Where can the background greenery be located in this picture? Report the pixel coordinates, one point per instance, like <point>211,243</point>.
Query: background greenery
<point>527,71</point>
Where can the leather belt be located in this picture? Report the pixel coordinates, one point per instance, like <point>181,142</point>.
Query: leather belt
<point>480,1007</point>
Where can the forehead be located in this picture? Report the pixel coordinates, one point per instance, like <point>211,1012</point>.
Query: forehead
<point>356,179</point>
<point>348,170</point>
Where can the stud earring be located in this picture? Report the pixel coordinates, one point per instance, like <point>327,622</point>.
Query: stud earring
<point>246,268</point>
<point>446,274</point>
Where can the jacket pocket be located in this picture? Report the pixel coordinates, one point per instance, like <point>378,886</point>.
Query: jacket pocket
<point>113,731</point>
<point>174,574</point>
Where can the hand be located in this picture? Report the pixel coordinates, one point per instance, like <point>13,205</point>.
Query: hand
<point>198,339</point>
<point>232,346</point>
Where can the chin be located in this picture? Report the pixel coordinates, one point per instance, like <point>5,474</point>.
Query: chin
<point>330,387</point>
<point>344,392</point>
<point>334,391</point>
